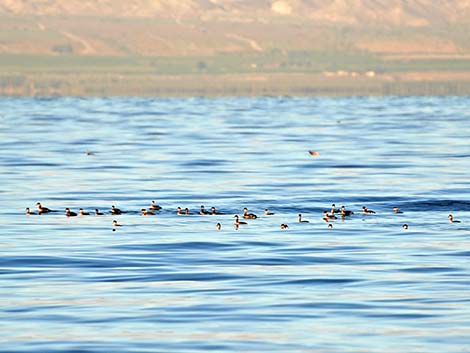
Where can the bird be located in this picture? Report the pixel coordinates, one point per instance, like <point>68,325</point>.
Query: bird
<point>144,212</point>
<point>28,212</point>
<point>405,226</point>
<point>42,209</point>
<point>115,210</point>
<point>214,210</point>
<point>219,226</point>
<point>179,211</point>
<point>186,211</point>
<point>327,217</point>
<point>345,212</point>
<point>154,207</point>
<point>330,225</point>
<point>69,213</point>
<point>365,210</point>
<point>301,220</point>
<point>397,210</point>
<point>284,226</point>
<point>334,209</point>
<point>98,213</point>
<point>202,211</point>
<point>116,224</point>
<point>314,153</point>
<point>81,212</point>
<point>247,215</point>
<point>452,220</point>
<point>237,220</point>
<point>267,213</point>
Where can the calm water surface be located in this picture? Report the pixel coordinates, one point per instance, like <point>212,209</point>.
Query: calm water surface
<point>171,283</point>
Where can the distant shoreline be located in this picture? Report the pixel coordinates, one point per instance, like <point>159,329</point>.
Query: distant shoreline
<point>279,84</point>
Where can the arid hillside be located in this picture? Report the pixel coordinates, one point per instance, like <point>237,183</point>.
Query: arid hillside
<point>394,12</point>
<point>207,27</point>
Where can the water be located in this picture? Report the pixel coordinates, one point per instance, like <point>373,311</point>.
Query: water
<point>173,283</point>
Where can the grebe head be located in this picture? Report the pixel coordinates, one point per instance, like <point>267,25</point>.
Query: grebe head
<point>330,226</point>
<point>219,226</point>
<point>405,226</point>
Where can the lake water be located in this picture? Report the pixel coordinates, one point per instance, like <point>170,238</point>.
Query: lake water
<point>172,283</point>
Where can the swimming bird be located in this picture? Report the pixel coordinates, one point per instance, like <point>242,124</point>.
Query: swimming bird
<point>116,224</point>
<point>42,209</point>
<point>365,210</point>
<point>186,211</point>
<point>327,217</point>
<point>219,226</point>
<point>69,213</point>
<point>98,213</point>
<point>397,210</point>
<point>330,225</point>
<point>81,212</point>
<point>334,209</point>
<point>179,211</point>
<point>301,220</point>
<point>247,215</point>
<point>144,212</point>
<point>314,153</point>
<point>28,212</point>
<point>115,210</point>
<point>452,220</point>
<point>214,210</point>
<point>237,220</point>
<point>267,213</point>
<point>345,212</point>
<point>154,207</point>
<point>202,211</point>
<point>284,226</point>
<point>405,226</point>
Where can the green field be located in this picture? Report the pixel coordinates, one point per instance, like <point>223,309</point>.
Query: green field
<point>274,72</point>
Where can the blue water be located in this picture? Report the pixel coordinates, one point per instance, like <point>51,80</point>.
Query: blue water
<point>171,283</point>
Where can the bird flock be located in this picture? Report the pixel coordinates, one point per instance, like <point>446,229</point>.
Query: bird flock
<point>328,216</point>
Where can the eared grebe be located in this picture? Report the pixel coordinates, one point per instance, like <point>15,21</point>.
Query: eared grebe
<point>144,212</point>
<point>42,209</point>
<point>247,215</point>
<point>301,220</point>
<point>365,210</point>
<point>154,207</point>
<point>237,220</point>
<point>345,212</point>
<point>81,212</point>
<point>69,213</point>
<point>115,210</point>
<point>452,220</point>
<point>202,211</point>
